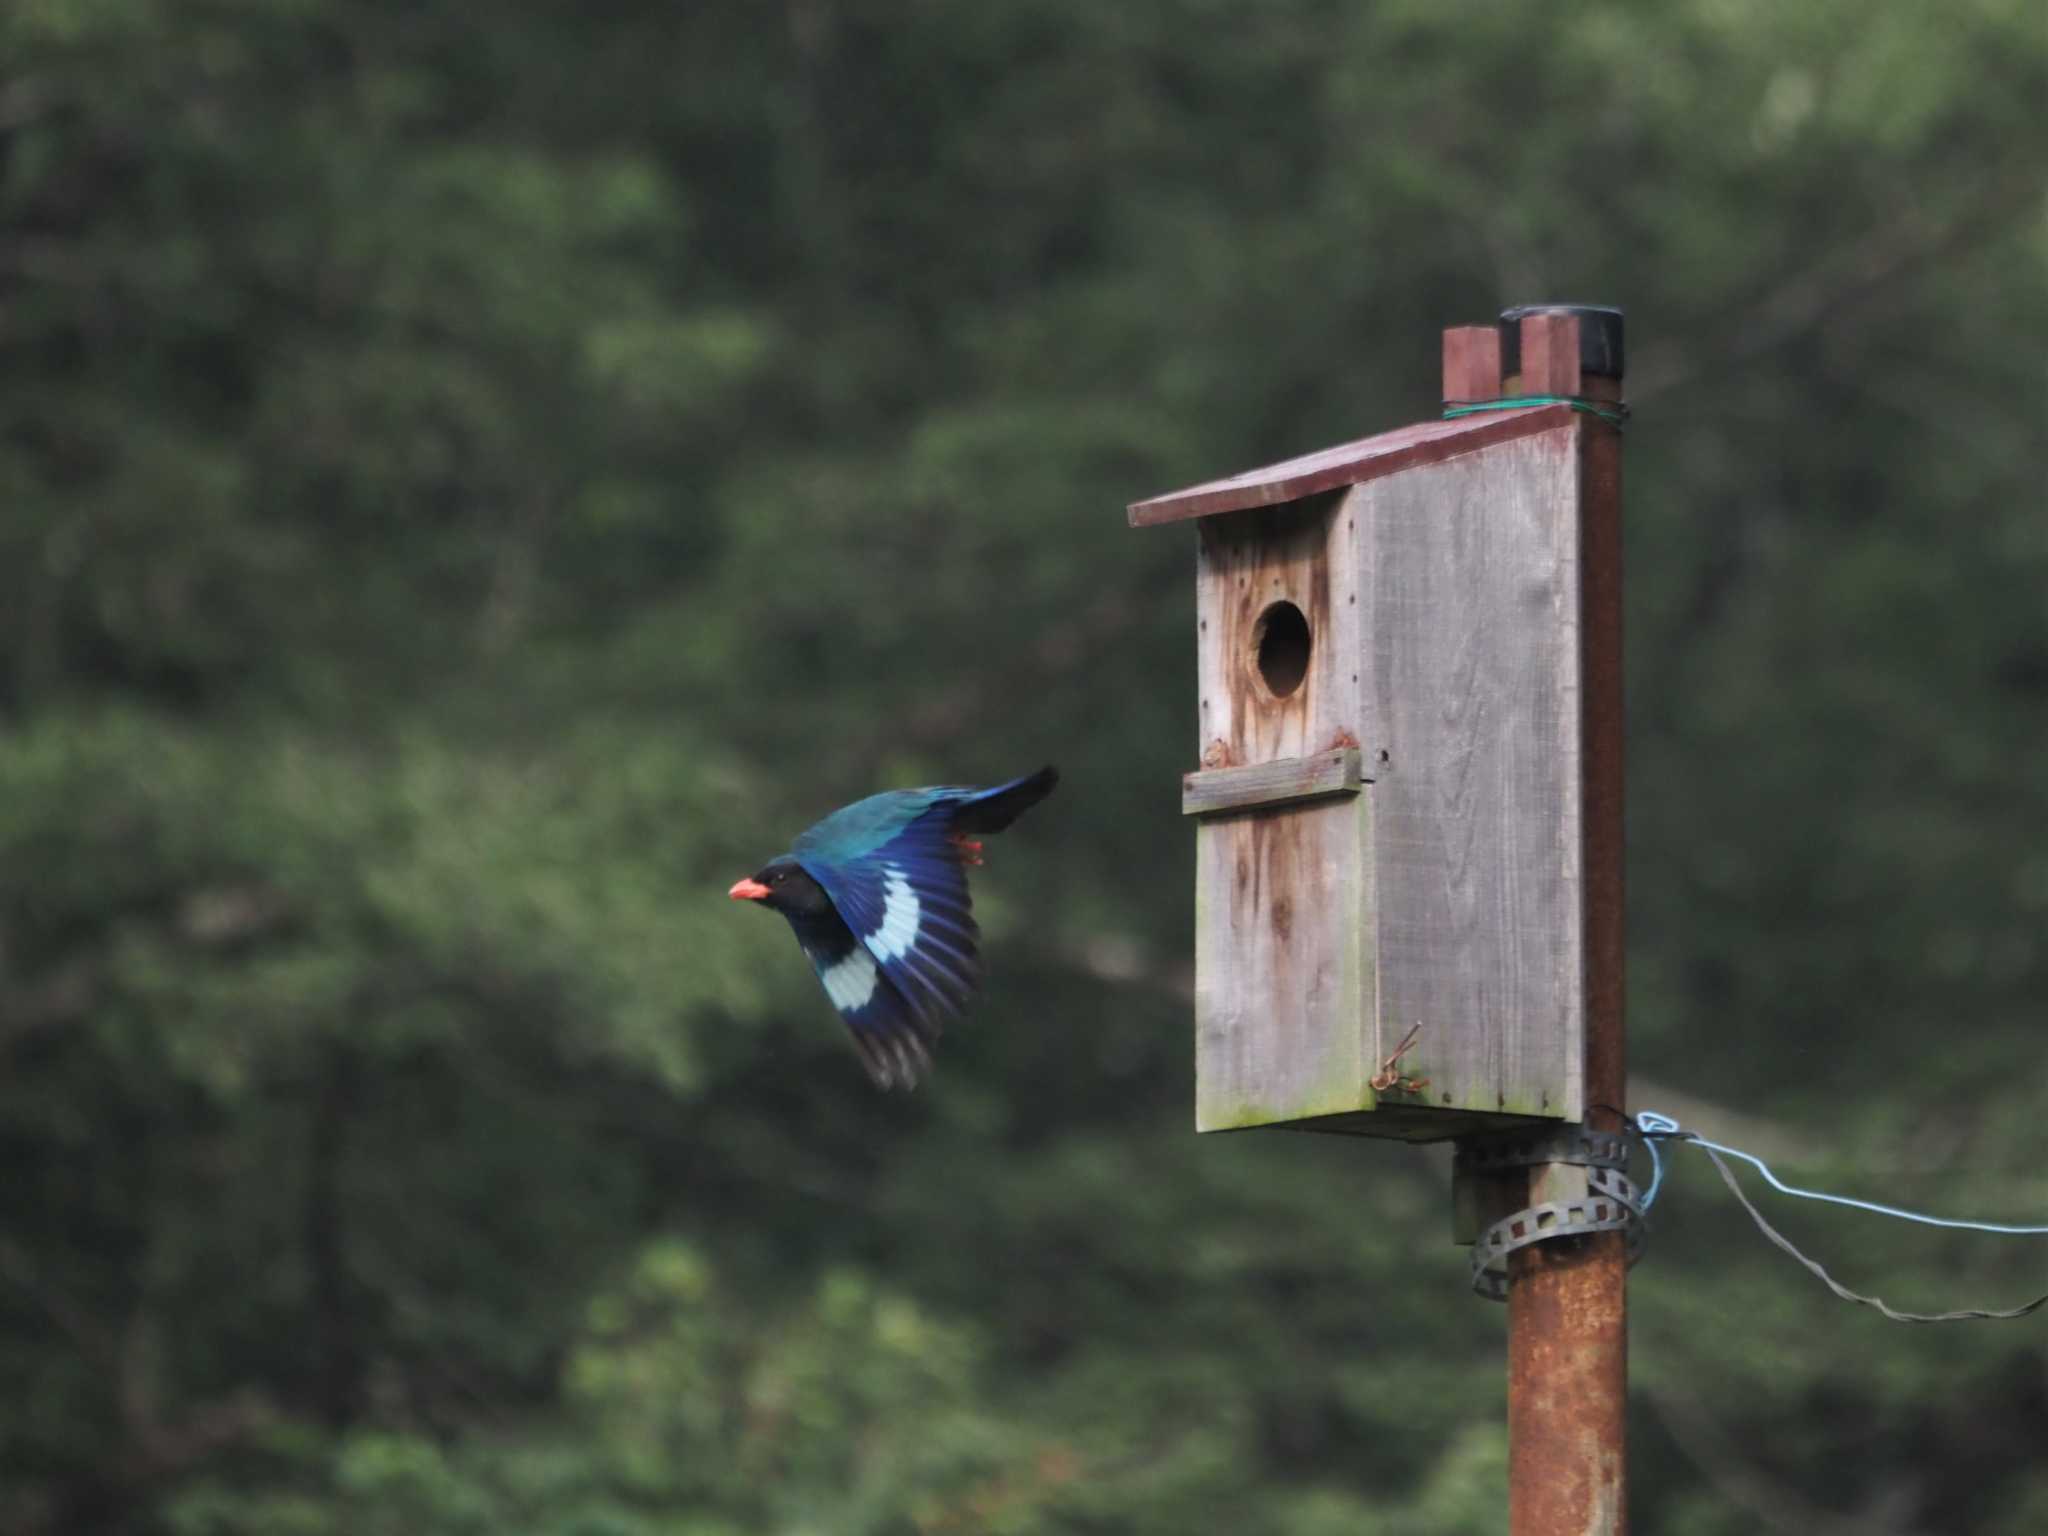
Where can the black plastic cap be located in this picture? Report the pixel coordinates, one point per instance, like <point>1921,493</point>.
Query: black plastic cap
<point>1600,329</point>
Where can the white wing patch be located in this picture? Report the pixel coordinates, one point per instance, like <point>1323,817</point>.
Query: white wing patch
<point>900,908</point>
<point>850,981</point>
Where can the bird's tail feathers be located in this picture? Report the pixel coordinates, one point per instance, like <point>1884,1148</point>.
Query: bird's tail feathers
<point>991,810</point>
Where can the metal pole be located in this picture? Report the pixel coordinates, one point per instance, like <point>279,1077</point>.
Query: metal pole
<point>1568,1300</point>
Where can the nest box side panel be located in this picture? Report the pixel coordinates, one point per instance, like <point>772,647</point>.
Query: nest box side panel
<point>1472,701</point>
<point>1283,969</point>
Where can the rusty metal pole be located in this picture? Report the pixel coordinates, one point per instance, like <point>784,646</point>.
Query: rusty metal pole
<point>1568,1299</point>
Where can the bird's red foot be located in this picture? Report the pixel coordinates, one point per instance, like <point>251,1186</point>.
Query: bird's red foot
<point>970,851</point>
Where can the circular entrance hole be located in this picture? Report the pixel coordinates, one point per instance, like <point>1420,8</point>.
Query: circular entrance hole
<point>1282,643</point>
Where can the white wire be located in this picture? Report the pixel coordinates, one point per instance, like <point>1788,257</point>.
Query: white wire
<point>1655,1126</point>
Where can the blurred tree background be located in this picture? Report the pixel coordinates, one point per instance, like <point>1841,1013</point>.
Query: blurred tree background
<point>477,480</point>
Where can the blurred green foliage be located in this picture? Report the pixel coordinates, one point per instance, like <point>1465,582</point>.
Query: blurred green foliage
<point>475,483</point>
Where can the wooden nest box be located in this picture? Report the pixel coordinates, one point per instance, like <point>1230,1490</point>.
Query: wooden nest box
<point>1388,807</point>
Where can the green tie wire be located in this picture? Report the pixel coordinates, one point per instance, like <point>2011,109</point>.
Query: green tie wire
<point>1616,416</point>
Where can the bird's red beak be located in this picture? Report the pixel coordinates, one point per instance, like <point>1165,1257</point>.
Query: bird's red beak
<point>748,890</point>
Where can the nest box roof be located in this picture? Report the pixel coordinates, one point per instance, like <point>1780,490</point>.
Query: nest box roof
<point>1426,442</point>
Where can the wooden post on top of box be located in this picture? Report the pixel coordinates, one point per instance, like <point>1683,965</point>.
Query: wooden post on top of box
<point>1407,817</point>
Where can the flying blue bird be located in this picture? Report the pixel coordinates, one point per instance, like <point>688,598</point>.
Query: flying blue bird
<point>877,894</point>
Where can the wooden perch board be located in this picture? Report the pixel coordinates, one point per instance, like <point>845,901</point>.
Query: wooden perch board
<point>1276,783</point>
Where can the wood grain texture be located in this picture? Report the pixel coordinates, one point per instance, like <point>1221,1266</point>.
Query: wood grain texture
<point>1472,362</point>
<point>1256,784</point>
<point>1471,689</point>
<point>1425,442</point>
<point>1283,896</point>
<point>1298,554</point>
<point>1283,967</point>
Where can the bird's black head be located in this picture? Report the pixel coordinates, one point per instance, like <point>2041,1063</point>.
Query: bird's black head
<point>785,886</point>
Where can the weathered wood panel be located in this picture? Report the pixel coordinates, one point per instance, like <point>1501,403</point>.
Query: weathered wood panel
<point>1471,687</point>
<point>1298,554</point>
<point>1282,972</point>
<point>1283,963</point>
<point>1424,442</point>
<point>1291,778</point>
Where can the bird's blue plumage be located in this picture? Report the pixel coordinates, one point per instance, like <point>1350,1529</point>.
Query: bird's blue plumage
<point>865,825</point>
<point>905,898</point>
<point>897,950</point>
<point>891,1039</point>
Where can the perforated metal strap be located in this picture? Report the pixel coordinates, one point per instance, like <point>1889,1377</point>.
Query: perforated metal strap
<point>1610,1203</point>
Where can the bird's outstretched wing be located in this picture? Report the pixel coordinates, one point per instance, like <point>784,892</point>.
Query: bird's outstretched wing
<point>895,868</point>
<point>906,902</point>
<point>894,1042</point>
